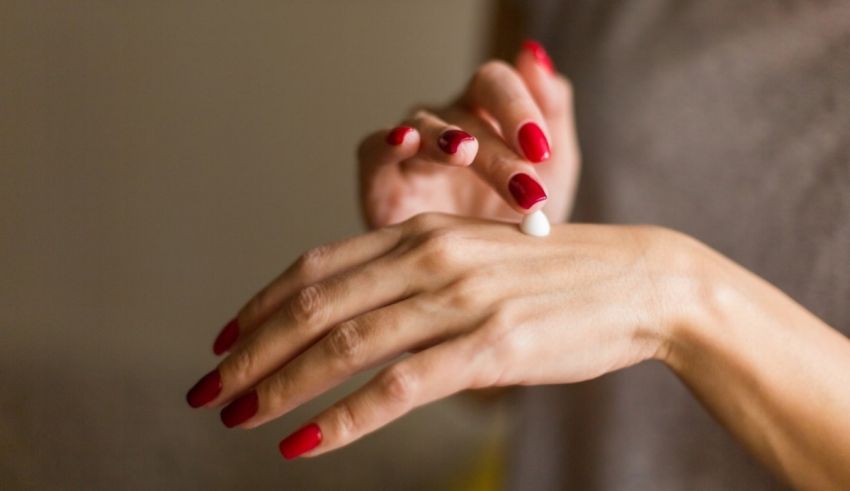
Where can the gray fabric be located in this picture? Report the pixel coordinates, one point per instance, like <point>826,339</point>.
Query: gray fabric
<point>726,120</point>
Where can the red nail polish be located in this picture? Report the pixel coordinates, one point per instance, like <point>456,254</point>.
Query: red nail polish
<point>539,53</point>
<point>205,390</point>
<point>225,339</point>
<point>533,143</point>
<point>303,440</point>
<point>525,190</point>
<point>396,136</point>
<point>450,140</point>
<point>240,410</point>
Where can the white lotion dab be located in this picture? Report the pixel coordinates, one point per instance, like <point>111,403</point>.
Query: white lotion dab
<point>535,224</point>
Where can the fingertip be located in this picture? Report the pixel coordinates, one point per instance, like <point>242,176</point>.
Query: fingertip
<point>402,142</point>
<point>536,52</point>
<point>551,90</point>
<point>533,142</point>
<point>451,140</point>
<point>385,147</point>
<point>301,442</point>
<point>397,136</point>
<point>538,206</point>
<point>459,146</point>
<point>226,338</point>
<point>205,390</point>
<point>240,410</point>
<point>466,153</point>
<point>527,192</point>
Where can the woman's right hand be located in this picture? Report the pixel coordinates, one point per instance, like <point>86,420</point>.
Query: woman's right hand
<point>506,146</point>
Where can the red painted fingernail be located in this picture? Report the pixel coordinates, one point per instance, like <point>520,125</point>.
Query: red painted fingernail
<point>205,390</point>
<point>240,410</point>
<point>533,143</point>
<point>303,440</point>
<point>396,136</point>
<point>525,190</point>
<point>225,339</point>
<point>539,53</point>
<point>450,140</point>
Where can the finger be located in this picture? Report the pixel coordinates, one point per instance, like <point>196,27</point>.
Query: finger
<point>508,174</point>
<point>380,152</point>
<point>552,92</point>
<point>553,95</point>
<point>499,90</point>
<point>433,374</point>
<point>314,265</point>
<point>535,50</point>
<point>379,172</point>
<point>310,313</point>
<point>442,143</point>
<point>349,348</point>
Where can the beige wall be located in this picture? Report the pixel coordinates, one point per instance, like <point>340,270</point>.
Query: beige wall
<point>161,160</point>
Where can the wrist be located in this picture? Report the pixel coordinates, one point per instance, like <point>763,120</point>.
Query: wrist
<point>696,286</point>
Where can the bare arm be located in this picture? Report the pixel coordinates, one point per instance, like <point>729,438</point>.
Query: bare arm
<point>771,372</point>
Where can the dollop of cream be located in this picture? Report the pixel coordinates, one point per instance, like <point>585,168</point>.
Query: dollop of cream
<point>535,224</point>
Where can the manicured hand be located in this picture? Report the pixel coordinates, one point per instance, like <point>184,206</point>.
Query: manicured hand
<point>476,302</point>
<point>505,147</point>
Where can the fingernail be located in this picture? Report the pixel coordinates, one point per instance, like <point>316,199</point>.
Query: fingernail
<point>525,190</point>
<point>539,53</point>
<point>225,339</point>
<point>396,136</point>
<point>533,142</point>
<point>450,140</point>
<point>205,390</point>
<point>303,440</point>
<point>240,410</point>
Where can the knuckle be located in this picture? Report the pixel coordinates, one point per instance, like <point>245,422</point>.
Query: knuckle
<point>311,261</point>
<point>466,293</point>
<point>393,226</point>
<point>420,114</point>
<point>500,333</point>
<point>275,391</point>
<point>510,346</point>
<point>240,365</point>
<point>423,222</point>
<point>345,341</point>
<point>440,249</point>
<point>346,422</point>
<point>308,306</point>
<point>500,322</point>
<point>258,305</point>
<point>418,110</point>
<point>489,71</point>
<point>398,384</point>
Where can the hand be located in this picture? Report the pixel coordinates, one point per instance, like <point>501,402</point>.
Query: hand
<point>464,158</point>
<point>477,302</point>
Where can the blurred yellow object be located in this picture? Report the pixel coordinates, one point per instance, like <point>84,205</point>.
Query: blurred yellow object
<point>487,471</point>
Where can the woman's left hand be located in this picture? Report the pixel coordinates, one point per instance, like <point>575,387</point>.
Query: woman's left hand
<point>477,302</point>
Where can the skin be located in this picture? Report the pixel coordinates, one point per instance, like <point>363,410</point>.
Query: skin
<point>398,182</point>
<point>479,304</point>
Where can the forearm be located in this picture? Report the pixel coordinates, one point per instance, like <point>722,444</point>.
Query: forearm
<point>775,375</point>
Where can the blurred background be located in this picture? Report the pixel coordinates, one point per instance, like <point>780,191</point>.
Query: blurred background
<point>159,162</point>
